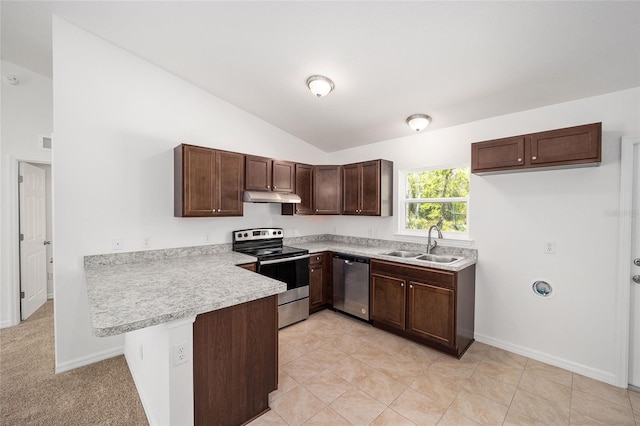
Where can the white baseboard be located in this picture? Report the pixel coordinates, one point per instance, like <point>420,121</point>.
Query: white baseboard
<point>572,366</point>
<point>143,398</point>
<point>49,296</point>
<point>5,324</point>
<point>89,359</point>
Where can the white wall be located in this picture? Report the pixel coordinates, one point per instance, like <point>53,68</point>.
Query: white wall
<point>117,119</point>
<point>26,114</point>
<point>511,215</point>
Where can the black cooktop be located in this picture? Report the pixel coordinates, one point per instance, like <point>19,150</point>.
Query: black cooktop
<point>273,252</point>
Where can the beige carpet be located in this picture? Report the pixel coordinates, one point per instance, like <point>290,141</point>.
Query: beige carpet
<point>31,394</point>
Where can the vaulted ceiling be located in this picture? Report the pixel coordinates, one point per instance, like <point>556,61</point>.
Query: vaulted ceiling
<point>456,61</point>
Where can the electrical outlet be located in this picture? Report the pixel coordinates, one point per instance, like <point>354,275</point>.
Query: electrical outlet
<point>180,353</point>
<point>117,243</point>
<point>146,242</point>
<point>550,247</point>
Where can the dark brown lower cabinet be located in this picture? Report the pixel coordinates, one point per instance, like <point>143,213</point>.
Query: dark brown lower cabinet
<point>388,300</point>
<point>430,306</point>
<point>235,362</point>
<point>432,312</point>
<point>320,289</point>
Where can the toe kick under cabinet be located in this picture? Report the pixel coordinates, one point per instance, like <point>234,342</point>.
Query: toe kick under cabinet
<point>430,306</point>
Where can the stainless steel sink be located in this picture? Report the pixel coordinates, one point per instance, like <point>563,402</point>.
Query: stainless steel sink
<point>438,258</point>
<point>403,253</point>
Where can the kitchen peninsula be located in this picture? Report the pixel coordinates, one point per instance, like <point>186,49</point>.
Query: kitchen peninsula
<point>186,310</point>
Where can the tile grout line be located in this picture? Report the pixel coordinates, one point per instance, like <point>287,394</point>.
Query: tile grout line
<point>516,391</point>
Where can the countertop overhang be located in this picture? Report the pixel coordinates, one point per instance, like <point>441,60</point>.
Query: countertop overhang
<point>131,296</point>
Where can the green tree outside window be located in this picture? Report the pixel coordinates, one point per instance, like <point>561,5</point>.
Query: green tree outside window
<point>437,197</point>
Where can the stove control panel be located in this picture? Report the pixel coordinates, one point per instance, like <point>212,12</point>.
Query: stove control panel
<point>257,234</point>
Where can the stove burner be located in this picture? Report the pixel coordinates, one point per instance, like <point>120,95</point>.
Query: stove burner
<point>261,252</point>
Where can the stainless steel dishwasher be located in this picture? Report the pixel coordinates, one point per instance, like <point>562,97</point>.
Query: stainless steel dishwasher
<point>351,285</point>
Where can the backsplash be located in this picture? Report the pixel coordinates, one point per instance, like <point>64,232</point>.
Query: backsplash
<point>151,255</point>
<point>386,244</point>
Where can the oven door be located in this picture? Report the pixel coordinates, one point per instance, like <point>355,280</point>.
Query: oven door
<point>291,270</point>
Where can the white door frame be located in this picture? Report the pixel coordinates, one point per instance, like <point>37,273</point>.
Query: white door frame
<point>14,231</point>
<point>624,263</point>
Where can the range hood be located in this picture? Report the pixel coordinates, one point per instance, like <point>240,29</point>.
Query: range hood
<point>269,197</point>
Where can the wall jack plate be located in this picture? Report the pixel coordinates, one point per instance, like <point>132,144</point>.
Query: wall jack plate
<point>550,247</point>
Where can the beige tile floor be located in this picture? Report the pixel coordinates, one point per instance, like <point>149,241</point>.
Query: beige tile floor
<point>335,370</point>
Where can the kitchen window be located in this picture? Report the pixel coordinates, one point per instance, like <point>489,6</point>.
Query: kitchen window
<point>435,197</point>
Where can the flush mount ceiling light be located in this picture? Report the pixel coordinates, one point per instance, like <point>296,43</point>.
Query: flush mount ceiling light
<point>418,122</point>
<point>320,85</point>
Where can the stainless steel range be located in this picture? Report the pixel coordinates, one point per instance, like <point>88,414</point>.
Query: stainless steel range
<point>287,264</point>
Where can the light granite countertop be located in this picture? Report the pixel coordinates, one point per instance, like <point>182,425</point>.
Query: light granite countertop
<point>130,291</point>
<point>376,253</point>
<point>129,296</point>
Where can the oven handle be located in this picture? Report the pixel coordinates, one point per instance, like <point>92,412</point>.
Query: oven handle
<point>284,259</point>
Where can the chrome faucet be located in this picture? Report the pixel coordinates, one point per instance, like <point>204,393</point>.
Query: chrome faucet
<point>431,246</point>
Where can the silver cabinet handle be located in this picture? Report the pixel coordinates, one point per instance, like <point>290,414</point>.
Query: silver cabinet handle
<point>534,158</point>
<point>636,279</point>
<point>636,261</point>
<point>519,160</point>
<point>285,259</point>
<point>401,284</point>
<point>410,286</point>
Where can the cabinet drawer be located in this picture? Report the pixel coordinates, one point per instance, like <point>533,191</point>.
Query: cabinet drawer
<point>315,259</point>
<point>445,278</point>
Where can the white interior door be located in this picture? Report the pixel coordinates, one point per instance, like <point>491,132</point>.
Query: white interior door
<point>33,254</point>
<point>634,325</point>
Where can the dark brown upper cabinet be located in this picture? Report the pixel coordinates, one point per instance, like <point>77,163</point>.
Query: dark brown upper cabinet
<point>563,148</point>
<point>207,182</point>
<point>304,189</point>
<point>367,188</point>
<point>266,174</point>
<point>327,189</point>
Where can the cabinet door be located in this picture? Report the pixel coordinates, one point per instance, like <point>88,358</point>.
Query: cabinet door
<point>326,189</point>
<point>573,145</point>
<point>432,313</point>
<point>284,175</point>
<point>370,188</point>
<point>304,188</point>
<point>229,183</point>
<point>351,188</point>
<point>388,300</point>
<point>258,173</point>
<point>498,154</point>
<point>198,178</point>
<point>316,297</point>
<point>235,357</point>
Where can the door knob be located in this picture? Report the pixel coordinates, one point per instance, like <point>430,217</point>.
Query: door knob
<point>636,279</point>
<point>636,261</point>
<point>46,243</point>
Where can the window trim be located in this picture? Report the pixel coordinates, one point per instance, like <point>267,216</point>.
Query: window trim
<point>402,202</point>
